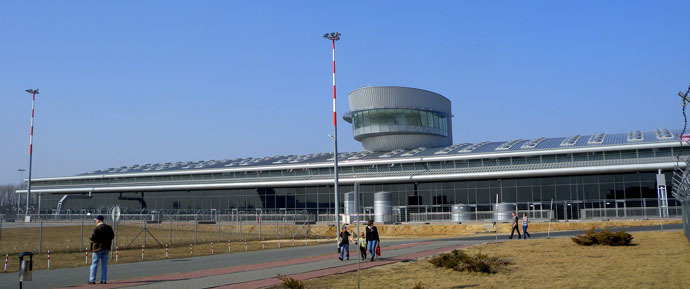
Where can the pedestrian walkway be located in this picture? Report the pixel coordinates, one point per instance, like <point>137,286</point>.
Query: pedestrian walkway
<point>264,274</point>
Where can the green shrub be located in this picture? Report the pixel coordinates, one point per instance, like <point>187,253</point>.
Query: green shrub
<point>291,283</point>
<point>460,261</point>
<point>604,237</point>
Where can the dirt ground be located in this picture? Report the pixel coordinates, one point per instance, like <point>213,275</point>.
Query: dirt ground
<point>67,243</point>
<point>656,260</point>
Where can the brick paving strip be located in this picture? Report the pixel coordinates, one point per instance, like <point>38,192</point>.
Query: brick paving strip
<point>228,270</point>
<point>339,270</point>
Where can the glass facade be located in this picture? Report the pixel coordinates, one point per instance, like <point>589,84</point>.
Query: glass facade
<point>570,195</point>
<point>399,120</point>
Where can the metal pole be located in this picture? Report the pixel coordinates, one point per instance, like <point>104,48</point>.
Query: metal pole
<point>170,232</point>
<point>359,260</point>
<point>33,92</point>
<point>40,238</point>
<point>333,37</point>
<point>496,222</point>
<point>81,240</point>
<point>38,210</point>
<point>196,225</point>
<point>548,234</point>
<point>145,230</point>
<point>258,218</point>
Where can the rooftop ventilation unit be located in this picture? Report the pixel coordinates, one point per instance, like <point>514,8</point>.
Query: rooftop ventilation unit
<point>507,145</point>
<point>663,134</point>
<point>449,149</point>
<point>391,153</point>
<point>533,143</point>
<point>413,152</point>
<point>473,147</point>
<point>571,140</point>
<point>360,155</point>
<point>635,136</point>
<point>342,156</point>
<point>596,139</point>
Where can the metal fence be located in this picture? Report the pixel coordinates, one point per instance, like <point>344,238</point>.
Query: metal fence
<point>71,232</point>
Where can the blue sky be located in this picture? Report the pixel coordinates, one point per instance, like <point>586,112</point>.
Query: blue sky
<point>135,82</point>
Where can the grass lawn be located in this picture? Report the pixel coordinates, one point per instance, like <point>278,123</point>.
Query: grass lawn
<point>656,260</point>
<point>64,243</point>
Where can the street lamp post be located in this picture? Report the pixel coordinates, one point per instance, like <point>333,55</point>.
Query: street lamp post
<point>21,182</point>
<point>33,92</point>
<point>334,36</point>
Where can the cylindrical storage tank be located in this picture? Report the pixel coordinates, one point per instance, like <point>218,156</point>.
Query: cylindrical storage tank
<point>350,211</point>
<point>461,213</point>
<point>349,199</point>
<point>502,211</point>
<point>383,211</point>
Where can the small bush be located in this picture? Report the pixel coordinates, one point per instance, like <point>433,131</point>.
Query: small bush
<point>460,261</point>
<point>604,237</point>
<point>418,285</point>
<point>291,283</point>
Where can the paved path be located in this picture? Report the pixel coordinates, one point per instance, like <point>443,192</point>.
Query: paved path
<point>255,269</point>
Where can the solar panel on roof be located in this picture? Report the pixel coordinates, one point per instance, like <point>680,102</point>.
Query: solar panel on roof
<point>533,143</point>
<point>571,140</point>
<point>508,145</point>
<point>473,147</point>
<point>634,136</point>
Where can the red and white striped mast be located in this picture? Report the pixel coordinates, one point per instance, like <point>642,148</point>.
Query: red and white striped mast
<point>334,36</point>
<point>33,92</point>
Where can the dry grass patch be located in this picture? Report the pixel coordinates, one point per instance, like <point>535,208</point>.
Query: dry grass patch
<point>64,243</point>
<point>659,260</point>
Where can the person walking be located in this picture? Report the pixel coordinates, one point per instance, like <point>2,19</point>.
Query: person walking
<point>362,244</point>
<point>344,243</point>
<point>373,240</point>
<point>101,240</point>
<point>514,224</point>
<point>524,226</point>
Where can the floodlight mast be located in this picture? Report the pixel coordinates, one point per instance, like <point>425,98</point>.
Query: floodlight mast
<point>334,36</point>
<point>33,92</point>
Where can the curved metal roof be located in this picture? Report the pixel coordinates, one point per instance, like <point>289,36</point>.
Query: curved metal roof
<point>485,149</point>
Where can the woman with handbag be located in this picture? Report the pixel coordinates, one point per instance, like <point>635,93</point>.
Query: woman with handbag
<point>373,241</point>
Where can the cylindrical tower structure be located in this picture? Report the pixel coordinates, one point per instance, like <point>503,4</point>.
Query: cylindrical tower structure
<point>386,118</point>
<point>383,211</point>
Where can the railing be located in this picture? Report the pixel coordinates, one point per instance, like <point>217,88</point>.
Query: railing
<point>633,212</point>
<point>487,216</point>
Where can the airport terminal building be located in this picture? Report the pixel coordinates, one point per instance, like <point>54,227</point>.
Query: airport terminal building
<point>409,153</point>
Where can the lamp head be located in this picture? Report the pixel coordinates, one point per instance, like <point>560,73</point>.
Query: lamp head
<point>332,36</point>
<point>32,91</point>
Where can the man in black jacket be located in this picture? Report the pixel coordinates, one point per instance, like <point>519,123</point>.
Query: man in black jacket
<point>101,240</point>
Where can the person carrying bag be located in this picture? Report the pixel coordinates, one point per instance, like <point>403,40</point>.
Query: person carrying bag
<point>373,240</point>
